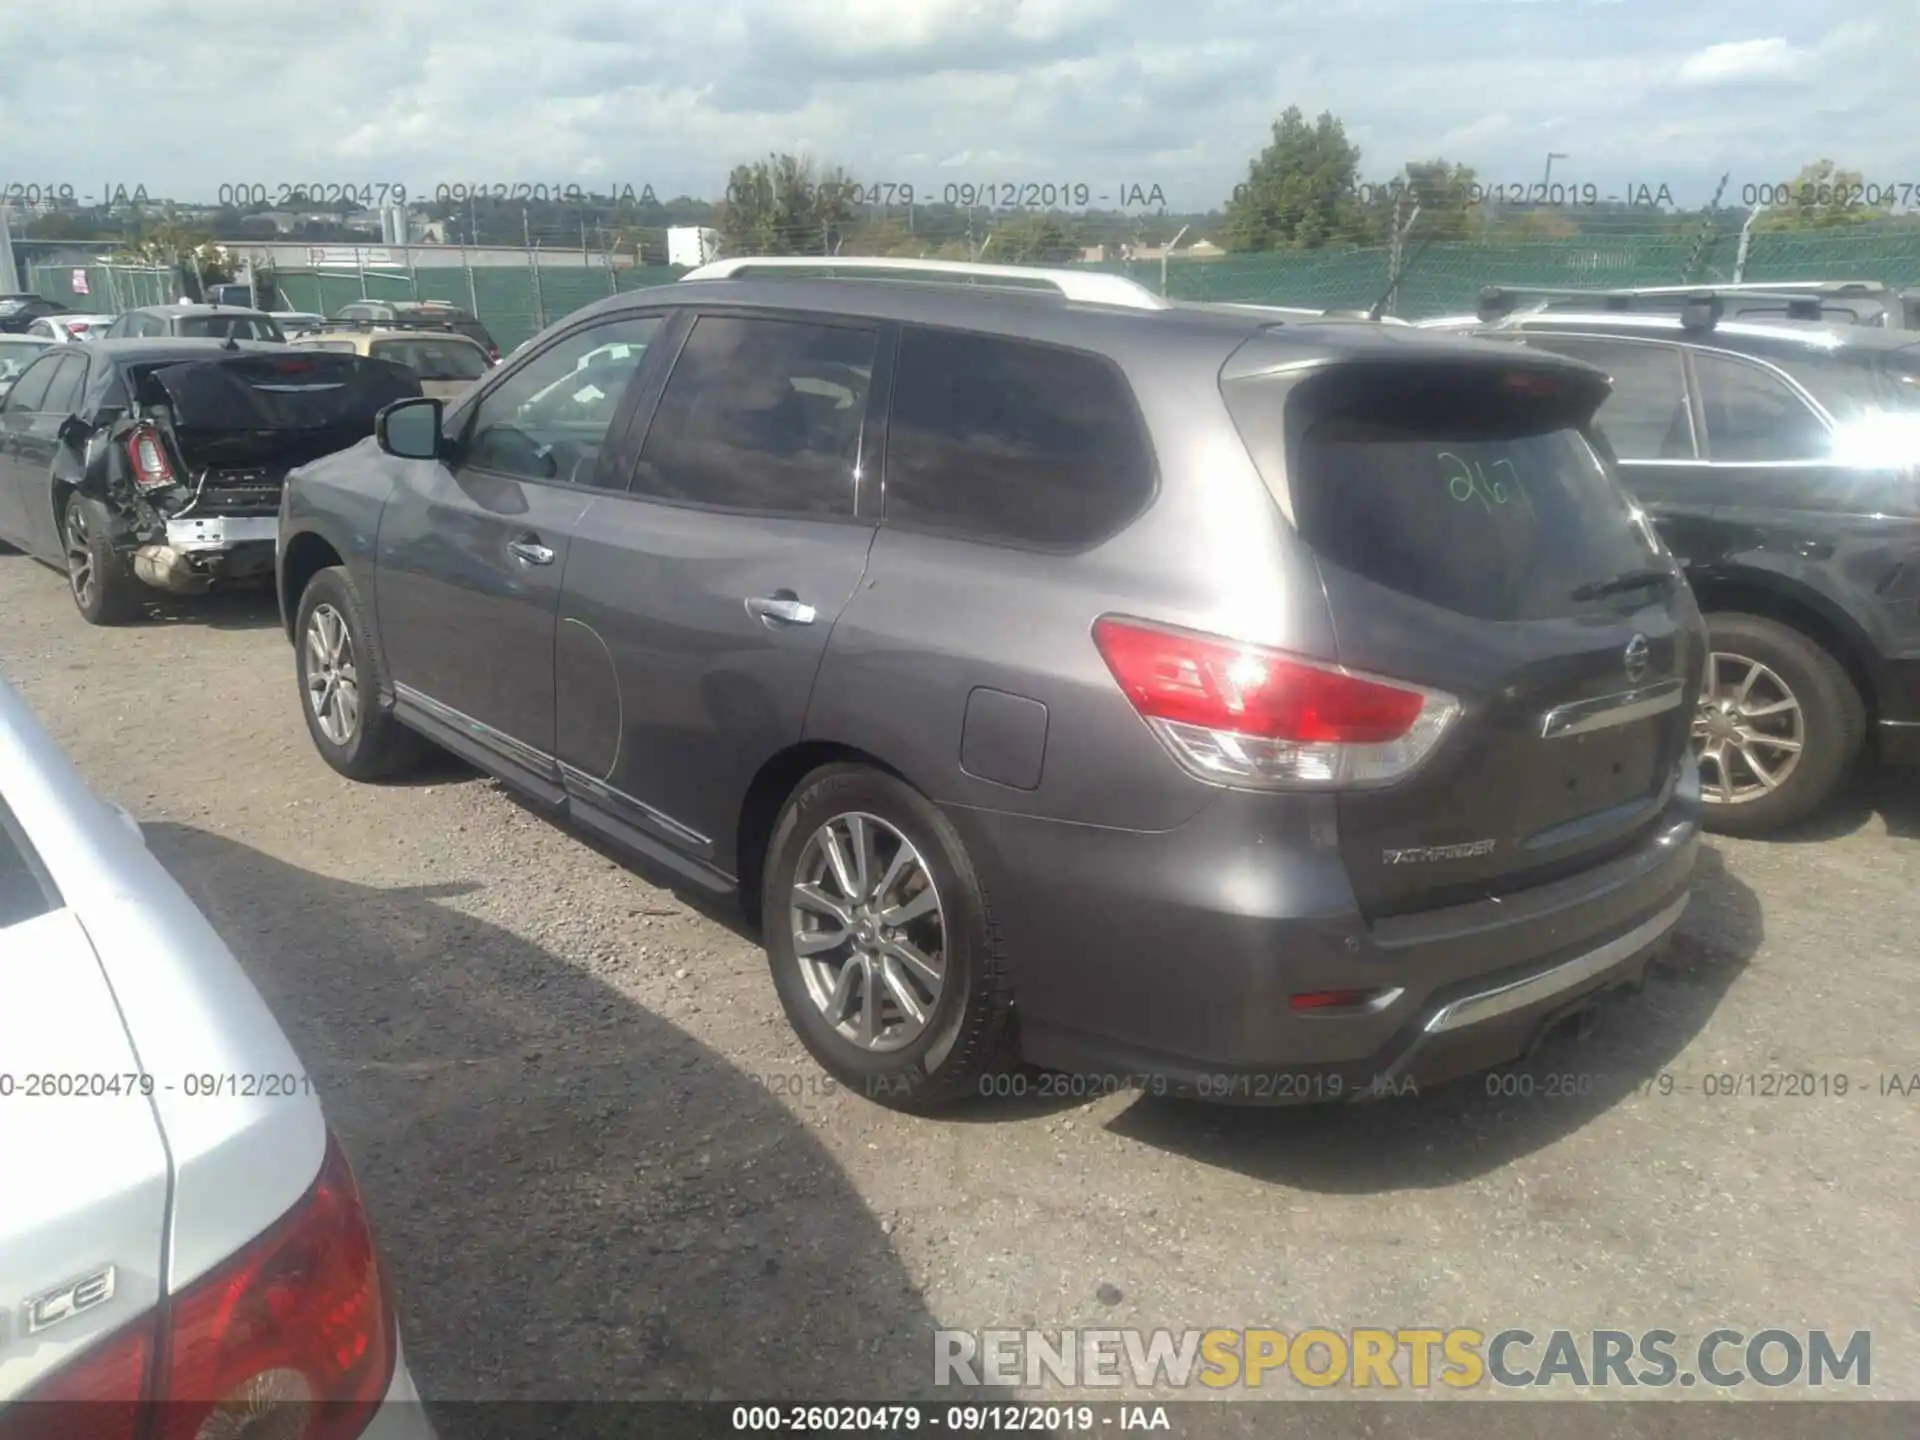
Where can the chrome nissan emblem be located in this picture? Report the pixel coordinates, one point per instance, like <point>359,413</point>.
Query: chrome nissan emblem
<point>1638,653</point>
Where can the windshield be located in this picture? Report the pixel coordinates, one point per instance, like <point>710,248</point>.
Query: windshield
<point>220,327</point>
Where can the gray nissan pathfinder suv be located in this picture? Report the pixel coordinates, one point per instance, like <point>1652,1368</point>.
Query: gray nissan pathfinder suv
<point>1172,695</point>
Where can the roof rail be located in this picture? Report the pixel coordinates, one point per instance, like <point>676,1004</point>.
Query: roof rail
<point>1095,287</point>
<point>397,322</point>
<point>1801,298</point>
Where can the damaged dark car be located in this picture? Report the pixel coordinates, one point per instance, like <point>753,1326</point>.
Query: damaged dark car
<point>143,465</point>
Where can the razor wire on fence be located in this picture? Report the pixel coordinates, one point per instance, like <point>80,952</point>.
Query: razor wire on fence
<point>515,300</point>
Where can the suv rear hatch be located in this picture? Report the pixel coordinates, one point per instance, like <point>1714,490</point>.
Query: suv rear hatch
<point>238,424</point>
<point>1471,540</point>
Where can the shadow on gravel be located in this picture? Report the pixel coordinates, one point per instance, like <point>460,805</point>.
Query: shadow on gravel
<point>1891,793</point>
<point>1457,1131</point>
<point>247,607</point>
<point>578,1200</point>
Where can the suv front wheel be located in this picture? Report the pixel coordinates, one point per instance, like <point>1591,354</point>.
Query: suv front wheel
<point>882,945</point>
<point>1779,726</point>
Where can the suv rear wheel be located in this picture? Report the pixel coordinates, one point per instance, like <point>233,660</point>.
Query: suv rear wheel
<point>1779,726</point>
<point>881,942</point>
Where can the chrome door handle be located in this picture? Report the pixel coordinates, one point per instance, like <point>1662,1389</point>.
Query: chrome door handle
<point>530,552</point>
<point>783,608</point>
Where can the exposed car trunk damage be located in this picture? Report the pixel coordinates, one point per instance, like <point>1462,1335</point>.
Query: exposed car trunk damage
<point>224,434</point>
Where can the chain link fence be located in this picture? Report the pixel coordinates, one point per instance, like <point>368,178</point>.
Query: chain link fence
<point>105,289</point>
<point>516,301</point>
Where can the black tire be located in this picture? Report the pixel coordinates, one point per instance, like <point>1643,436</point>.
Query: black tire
<point>99,579</point>
<point>376,746</point>
<point>1834,723</point>
<point>968,1033</point>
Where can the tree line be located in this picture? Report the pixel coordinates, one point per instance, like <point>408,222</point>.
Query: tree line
<point>1302,191</point>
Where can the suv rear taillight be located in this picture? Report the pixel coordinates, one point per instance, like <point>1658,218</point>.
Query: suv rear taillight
<point>1244,715</point>
<point>297,1322</point>
<point>147,454</point>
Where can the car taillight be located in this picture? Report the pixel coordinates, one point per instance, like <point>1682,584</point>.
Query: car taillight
<point>94,1397</point>
<point>148,456</point>
<point>298,1321</point>
<point>1245,715</point>
<point>293,1336</point>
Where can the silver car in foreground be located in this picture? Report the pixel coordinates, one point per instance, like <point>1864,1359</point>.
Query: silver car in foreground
<point>177,1222</point>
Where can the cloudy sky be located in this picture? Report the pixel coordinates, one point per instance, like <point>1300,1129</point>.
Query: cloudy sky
<point>1178,93</point>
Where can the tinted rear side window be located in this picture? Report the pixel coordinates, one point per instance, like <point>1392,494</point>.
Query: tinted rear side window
<point>1004,440</point>
<point>1645,418</point>
<point>763,416</point>
<point>1482,503</point>
<point>25,889</point>
<point>1751,413</point>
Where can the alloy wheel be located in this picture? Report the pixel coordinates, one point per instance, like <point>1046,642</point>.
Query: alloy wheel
<point>1749,729</point>
<point>80,554</point>
<point>333,682</point>
<point>869,933</point>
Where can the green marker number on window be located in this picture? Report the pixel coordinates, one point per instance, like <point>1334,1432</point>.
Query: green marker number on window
<point>1468,482</point>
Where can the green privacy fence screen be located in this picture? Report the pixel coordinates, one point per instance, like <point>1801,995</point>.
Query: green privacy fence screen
<point>514,301</point>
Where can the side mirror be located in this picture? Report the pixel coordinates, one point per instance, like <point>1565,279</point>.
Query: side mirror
<point>410,429</point>
<point>74,431</point>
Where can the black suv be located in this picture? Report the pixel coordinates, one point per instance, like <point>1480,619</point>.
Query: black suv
<point>1779,460</point>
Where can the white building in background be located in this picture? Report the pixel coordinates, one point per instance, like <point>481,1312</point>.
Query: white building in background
<point>692,245</point>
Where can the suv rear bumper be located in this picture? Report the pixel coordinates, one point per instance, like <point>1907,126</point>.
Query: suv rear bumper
<point>1167,960</point>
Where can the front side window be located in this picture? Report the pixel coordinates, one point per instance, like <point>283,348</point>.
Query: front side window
<point>1005,440</point>
<point>1752,414</point>
<point>763,416</point>
<point>548,419</point>
<point>1645,417</point>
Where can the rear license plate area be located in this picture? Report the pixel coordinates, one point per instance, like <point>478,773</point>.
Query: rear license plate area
<point>1583,774</point>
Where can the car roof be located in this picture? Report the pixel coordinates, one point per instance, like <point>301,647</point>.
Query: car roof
<point>1045,316</point>
<point>1760,336</point>
<point>171,311</point>
<point>132,349</point>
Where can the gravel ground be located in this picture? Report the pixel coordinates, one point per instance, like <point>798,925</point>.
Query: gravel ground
<point>603,1167</point>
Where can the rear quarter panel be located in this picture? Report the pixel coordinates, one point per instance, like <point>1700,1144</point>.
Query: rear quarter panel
<point>936,617</point>
<point>244,1130</point>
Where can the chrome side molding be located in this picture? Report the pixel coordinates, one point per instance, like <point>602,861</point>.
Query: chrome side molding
<point>1603,711</point>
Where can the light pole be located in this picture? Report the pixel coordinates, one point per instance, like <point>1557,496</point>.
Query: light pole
<point>1547,179</point>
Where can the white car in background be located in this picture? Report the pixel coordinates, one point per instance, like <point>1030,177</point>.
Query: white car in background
<point>70,329</point>
<point>297,322</point>
<point>177,1221</point>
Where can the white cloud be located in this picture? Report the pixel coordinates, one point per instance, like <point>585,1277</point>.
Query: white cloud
<point>1737,60</point>
<point>1102,91</point>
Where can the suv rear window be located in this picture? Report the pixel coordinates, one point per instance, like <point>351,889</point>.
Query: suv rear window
<point>1005,440</point>
<point>1450,487</point>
